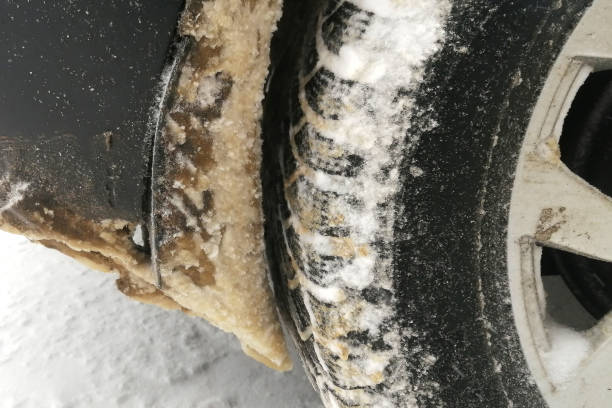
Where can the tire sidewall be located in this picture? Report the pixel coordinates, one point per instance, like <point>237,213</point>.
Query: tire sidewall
<point>451,273</point>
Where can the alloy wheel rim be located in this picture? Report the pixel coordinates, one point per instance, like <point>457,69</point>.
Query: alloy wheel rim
<point>553,207</point>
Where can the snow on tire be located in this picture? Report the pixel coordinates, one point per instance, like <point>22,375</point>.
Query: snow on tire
<point>340,171</point>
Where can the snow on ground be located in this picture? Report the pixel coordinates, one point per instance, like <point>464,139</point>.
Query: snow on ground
<point>68,339</point>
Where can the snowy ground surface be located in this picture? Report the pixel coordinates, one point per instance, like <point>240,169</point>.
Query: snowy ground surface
<point>68,338</point>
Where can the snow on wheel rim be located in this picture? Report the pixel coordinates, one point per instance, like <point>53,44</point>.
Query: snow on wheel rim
<point>553,207</point>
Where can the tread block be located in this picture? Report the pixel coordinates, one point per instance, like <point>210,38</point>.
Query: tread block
<point>317,268</point>
<point>331,97</point>
<point>323,154</point>
<point>293,242</point>
<point>321,269</point>
<point>319,210</point>
<point>346,23</point>
<point>311,354</point>
<point>298,310</point>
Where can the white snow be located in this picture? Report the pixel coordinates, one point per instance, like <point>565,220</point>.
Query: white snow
<point>137,237</point>
<point>568,349</point>
<point>68,338</point>
<point>14,196</point>
<point>209,91</point>
<point>415,171</point>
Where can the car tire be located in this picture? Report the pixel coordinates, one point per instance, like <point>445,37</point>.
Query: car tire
<point>417,310</point>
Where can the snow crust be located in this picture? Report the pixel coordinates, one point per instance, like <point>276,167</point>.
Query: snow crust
<point>388,50</point>
<point>68,338</point>
<point>206,217</point>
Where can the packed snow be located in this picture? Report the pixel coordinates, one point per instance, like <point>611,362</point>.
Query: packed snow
<point>568,349</point>
<point>68,338</point>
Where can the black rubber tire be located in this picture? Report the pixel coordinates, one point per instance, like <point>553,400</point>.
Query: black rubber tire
<point>449,294</point>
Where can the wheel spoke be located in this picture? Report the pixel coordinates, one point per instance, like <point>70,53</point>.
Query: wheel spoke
<point>593,45</point>
<point>560,210</point>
